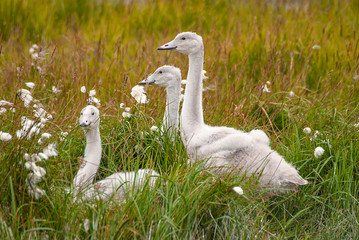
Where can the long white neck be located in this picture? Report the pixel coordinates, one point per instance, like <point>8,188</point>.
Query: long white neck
<point>170,119</point>
<point>92,159</point>
<point>192,112</point>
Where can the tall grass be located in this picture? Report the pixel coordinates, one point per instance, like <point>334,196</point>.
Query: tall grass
<point>110,46</point>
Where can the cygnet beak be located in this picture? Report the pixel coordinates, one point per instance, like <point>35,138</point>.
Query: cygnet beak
<point>147,81</point>
<point>83,124</point>
<point>168,46</point>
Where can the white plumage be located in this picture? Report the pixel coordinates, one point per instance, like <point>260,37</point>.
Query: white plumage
<point>168,77</point>
<point>227,149</point>
<point>117,184</point>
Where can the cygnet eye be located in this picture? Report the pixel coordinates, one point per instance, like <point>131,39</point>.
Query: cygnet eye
<point>160,72</point>
<point>93,113</point>
<point>183,38</point>
<point>82,114</point>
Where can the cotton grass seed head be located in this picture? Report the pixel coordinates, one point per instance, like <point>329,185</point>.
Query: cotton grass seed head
<point>3,110</point>
<point>30,84</point>
<point>154,128</point>
<point>55,89</point>
<point>87,224</point>
<point>318,152</point>
<point>126,115</point>
<point>265,89</point>
<point>238,190</point>
<point>307,130</point>
<point>138,92</point>
<point>5,136</point>
<point>92,93</point>
<point>25,96</point>
<point>315,135</point>
<point>4,103</point>
<point>45,135</point>
<point>83,89</point>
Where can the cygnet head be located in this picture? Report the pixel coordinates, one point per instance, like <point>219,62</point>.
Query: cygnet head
<point>186,42</point>
<point>165,76</point>
<point>89,118</point>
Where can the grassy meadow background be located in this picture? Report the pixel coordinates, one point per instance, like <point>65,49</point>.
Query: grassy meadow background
<point>109,46</point>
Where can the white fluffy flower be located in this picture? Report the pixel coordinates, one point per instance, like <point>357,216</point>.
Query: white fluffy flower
<point>50,150</point>
<point>31,51</point>
<point>92,93</point>
<point>316,134</point>
<point>184,82</point>
<point>25,96</point>
<point>96,100</point>
<point>83,89</point>
<point>204,72</point>
<point>36,192</point>
<point>34,46</point>
<point>44,120</point>
<point>63,136</point>
<point>356,124</point>
<point>39,69</point>
<point>40,113</point>
<point>33,178</point>
<point>316,47</point>
<point>154,128</point>
<point>238,190</point>
<point>5,136</point>
<point>5,103</point>
<point>26,123</point>
<point>138,92</point>
<point>291,94</point>
<point>126,114</point>
<point>307,130</point>
<point>30,84</point>
<point>30,165</point>
<point>27,157</point>
<point>35,157</point>
<point>39,171</point>
<point>87,224</point>
<point>127,109</point>
<point>181,98</point>
<point>55,89</point>
<point>45,135</point>
<point>49,116</point>
<point>318,152</point>
<point>35,56</point>
<point>35,130</point>
<point>122,105</point>
<point>265,88</point>
<point>43,156</point>
<point>3,110</point>
<point>21,133</point>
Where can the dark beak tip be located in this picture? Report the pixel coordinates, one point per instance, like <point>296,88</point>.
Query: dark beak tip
<point>83,125</point>
<point>166,48</point>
